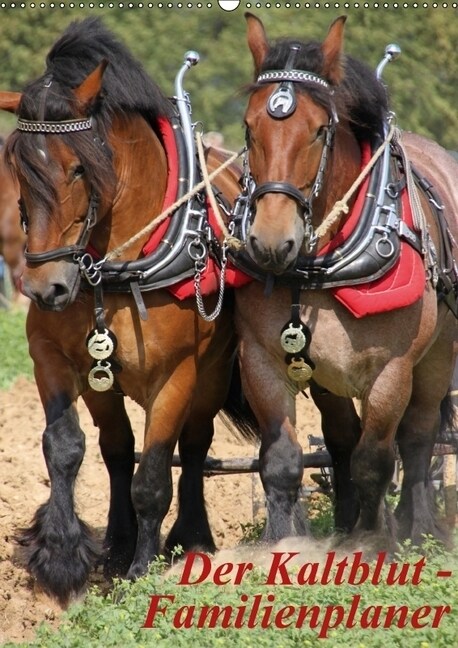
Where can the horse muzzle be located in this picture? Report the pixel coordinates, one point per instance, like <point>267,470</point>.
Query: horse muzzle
<point>52,286</point>
<point>276,259</point>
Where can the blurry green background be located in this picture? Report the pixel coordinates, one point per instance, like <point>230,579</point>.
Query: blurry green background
<point>423,83</point>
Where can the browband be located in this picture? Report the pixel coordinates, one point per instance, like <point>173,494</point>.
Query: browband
<point>67,126</point>
<point>298,76</point>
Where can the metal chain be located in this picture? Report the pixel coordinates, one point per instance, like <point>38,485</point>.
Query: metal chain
<point>200,267</point>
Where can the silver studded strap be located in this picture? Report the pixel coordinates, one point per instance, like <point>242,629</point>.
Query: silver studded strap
<point>51,127</point>
<point>298,76</point>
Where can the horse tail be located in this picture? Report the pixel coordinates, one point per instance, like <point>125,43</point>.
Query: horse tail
<point>236,413</point>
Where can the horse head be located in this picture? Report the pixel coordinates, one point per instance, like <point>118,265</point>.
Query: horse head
<point>59,206</point>
<point>302,150</point>
<point>84,131</point>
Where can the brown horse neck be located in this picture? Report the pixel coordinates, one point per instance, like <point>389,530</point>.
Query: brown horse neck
<point>141,170</point>
<point>226,182</point>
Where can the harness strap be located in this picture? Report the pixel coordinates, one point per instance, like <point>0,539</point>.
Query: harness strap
<point>440,264</point>
<point>76,250</point>
<point>99,312</point>
<point>33,258</point>
<point>282,188</point>
<point>419,218</point>
<point>137,295</point>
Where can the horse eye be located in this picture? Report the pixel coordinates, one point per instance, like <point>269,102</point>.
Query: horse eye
<point>321,132</point>
<point>78,171</point>
<point>23,216</point>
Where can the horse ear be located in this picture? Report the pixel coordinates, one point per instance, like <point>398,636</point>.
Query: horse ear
<point>10,101</point>
<point>89,90</point>
<point>257,40</point>
<point>332,49</point>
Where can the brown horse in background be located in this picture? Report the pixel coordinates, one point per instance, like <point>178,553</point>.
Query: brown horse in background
<point>92,170</point>
<point>12,236</point>
<point>310,111</point>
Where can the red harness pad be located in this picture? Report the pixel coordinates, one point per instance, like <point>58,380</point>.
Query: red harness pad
<point>168,140</point>
<point>401,286</point>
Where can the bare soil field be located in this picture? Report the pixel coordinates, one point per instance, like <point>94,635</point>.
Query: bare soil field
<point>24,486</point>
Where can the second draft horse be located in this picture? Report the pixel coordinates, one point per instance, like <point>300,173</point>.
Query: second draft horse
<point>315,118</point>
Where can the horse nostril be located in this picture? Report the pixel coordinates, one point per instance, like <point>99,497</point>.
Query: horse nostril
<point>59,290</point>
<point>288,246</point>
<point>284,250</point>
<point>56,294</point>
<point>254,243</point>
<point>258,251</point>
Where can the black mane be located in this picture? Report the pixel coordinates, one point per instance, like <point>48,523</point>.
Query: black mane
<point>84,44</point>
<point>360,98</point>
<point>126,89</point>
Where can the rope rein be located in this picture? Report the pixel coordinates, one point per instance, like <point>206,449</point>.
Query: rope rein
<point>230,240</point>
<point>341,206</point>
<point>150,227</point>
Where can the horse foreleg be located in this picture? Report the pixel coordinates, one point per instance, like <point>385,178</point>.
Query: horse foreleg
<point>372,462</point>
<point>152,483</point>
<point>59,546</point>
<point>417,432</point>
<point>341,428</point>
<point>191,529</point>
<point>281,465</point>
<point>117,445</point>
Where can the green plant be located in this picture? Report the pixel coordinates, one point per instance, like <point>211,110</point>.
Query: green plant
<point>320,512</point>
<point>14,357</point>
<point>171,611</point>
<point>252,531</point>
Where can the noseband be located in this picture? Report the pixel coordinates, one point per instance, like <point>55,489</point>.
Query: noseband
<point>281,105</point>
<point>77,250</point>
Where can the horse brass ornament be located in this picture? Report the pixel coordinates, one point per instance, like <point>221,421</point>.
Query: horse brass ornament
<point>101,377</point>
<point>282,103</point>
<point>100,345</point>
<point>299,371</point>
<point>293,338</point>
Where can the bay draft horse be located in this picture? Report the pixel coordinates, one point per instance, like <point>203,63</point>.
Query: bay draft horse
<point>87,143</point>
<point>309,112</point>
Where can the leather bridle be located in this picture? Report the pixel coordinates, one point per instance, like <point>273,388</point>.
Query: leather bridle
<point>280,105</point>
<point>77,250</point>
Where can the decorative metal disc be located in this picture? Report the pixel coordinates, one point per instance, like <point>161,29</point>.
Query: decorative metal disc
<point>101,377</point>
<point>282,102</point>
<point>293,339</point>
<point>100,345</point>
<point>299,371</point>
